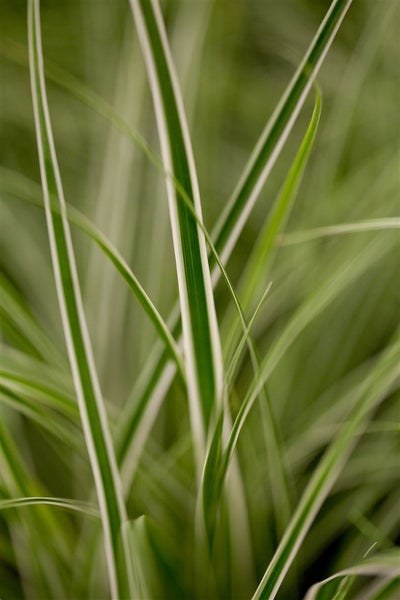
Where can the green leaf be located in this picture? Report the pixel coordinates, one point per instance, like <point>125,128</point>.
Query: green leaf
<point>200,330</point>
<point>91,406</point>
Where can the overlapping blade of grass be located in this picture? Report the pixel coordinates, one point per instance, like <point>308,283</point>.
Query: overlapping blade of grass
<point>377,385</point>
<point>250,281</point>
<point>65,503</point>
<point>381,565</point>
<point>239,207</point>
<point>261,254</point>
<point>199,323</point>
<point>244,340</point>
<point>93,416</point>
<point>280,211</point>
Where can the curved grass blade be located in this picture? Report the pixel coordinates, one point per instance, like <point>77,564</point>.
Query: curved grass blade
<point>92,410</point>
<point>382,565</point>
<point>67,504</point>
<point>379,382</point>
<point>281,209</point>
<point>261,253</point>
<point>199,323</point>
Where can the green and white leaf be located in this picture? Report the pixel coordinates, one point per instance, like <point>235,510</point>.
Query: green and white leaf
<point>91,406</point>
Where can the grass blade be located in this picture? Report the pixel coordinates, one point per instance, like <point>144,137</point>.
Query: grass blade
<point>262,250</point>
<point>67,504</point>
<point>382,565</point>
<point>200,331</point>
<point>93,416</point>
<point>299,237</point>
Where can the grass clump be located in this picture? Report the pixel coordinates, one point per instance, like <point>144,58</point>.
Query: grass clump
<point>199,390</point>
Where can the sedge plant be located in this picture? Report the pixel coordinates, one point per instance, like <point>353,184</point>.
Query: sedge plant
<point>199,387</point>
